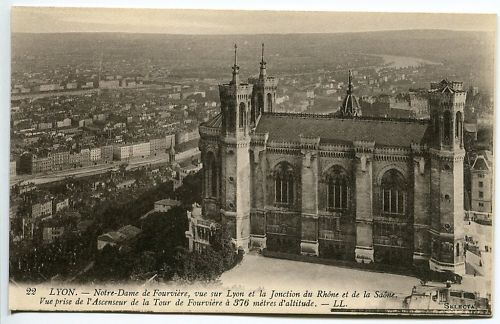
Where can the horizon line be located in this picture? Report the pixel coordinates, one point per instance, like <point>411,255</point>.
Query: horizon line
<point>247,34</point>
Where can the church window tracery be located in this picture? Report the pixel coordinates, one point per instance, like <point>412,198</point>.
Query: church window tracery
<point>284,184</point>
<point>393,193</point>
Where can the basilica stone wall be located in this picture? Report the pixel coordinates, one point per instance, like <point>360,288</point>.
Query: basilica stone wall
<point>308,226</point>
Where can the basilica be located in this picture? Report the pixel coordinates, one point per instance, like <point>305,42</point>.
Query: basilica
<point>339,185</point>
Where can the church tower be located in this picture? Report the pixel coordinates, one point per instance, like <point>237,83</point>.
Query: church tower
<point>264,94</point>
<point>446,103</point>
<point>235,98</point>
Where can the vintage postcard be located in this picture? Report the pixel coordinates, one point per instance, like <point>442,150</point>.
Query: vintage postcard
<point>197,161</point>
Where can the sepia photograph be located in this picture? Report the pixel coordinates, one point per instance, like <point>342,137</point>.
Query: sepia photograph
<point>251,162</point>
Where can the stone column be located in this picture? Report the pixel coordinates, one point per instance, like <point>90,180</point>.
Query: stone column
<point>421,215</point>
<point>364,203</point>
<point>309,244</point>
<point>258,238</point>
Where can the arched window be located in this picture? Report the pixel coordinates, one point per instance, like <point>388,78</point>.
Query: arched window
<point>393,188</point>
<point>232,117</point>
<point>211,177</point>
<point>243,115</point>
<point>269,102</point>
<point>458,125</point>
<point>338,189</point>
<point>253,116</point>
<point>284,184</point>
<point>447,127</point>
<point>260,103</point>
<point>435,118</point>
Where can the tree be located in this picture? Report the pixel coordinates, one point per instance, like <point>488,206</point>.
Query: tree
<point>210,263</point>
<point>190,191</point>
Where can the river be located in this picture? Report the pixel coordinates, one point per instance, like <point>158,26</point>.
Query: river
<point>397,62</point>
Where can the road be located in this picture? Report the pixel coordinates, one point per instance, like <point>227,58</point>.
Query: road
<point>39,95</point>
<point>88,171</point>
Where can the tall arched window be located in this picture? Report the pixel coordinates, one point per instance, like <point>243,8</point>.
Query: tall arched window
<point>458,125</point>
<point>284,184</point>
<point>253,115</point>
<point>269,102</point>
<point>447,127</point>
<point>260,103</point>
<point>232,117</point>
<point>394,195</point>
<point>338,189</point>
<point>435,117</point>
<point>243,115</point>
<point>211,177</point>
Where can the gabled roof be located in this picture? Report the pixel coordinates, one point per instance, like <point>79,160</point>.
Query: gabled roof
<point>114,237</point>
<point>396,133</point>
<point>129,231</point>
<point>481,164</point>
<point>446,86</point>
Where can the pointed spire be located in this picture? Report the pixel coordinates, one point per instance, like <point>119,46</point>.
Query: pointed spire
<point>262,60</point>
<point>262,74</point>
<point>235,55</point>
<point>350,105</point>
<point>236,68</point>
<point>349,88</point>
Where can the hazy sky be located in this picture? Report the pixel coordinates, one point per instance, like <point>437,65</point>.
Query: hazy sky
<point>46,20</point>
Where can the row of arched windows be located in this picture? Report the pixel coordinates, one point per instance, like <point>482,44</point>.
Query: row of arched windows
<point>231,116</point>
<point>338,190</point>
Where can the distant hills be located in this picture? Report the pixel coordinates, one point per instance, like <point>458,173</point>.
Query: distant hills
<point>213,53</point>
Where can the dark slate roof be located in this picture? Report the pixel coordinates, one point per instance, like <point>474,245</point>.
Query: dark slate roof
<point>480,163</point>
<point>288,127</point>
<point>350,106</point>
<point>215,121</point>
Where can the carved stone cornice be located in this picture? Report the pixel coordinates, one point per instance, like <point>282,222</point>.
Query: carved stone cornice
<point>337,154</point>
<point>309,142</point>
<point>259,139</point>
<point>448,156</point>
<point>390,158</point>
<point>287,151</point>
<point>206,131</point>
<point>364,147</point>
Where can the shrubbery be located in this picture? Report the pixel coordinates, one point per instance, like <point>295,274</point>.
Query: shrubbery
<point>209,264</point>
<point>162,249</point>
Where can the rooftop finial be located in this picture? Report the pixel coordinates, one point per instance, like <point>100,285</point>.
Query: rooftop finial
<point>235,55</point>
<point>349,89</point>
<point>262,60</point>
<point>236,68</point>
<point>262,74</point>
